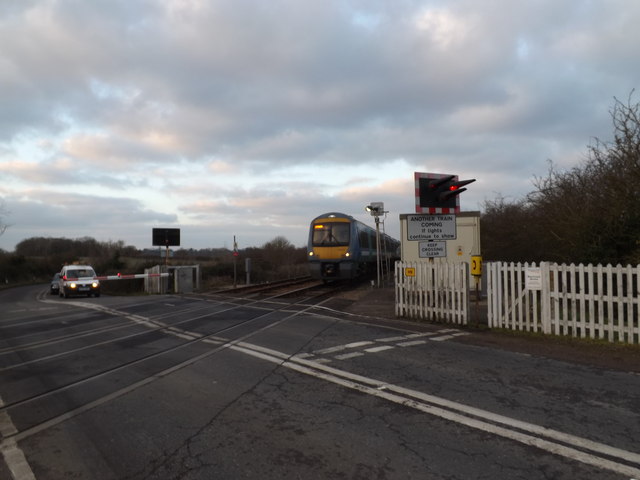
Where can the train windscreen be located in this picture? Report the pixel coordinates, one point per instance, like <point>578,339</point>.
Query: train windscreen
<point>331,234</point>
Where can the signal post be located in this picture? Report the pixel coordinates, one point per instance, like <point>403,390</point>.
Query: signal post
<point>439,231</point>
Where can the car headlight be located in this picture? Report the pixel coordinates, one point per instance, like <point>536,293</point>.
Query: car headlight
<point>94,284</point>
<point>72,285</point>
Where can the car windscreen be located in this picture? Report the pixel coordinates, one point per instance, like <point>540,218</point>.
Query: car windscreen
<point>81,273</point>
<point>330,234</point>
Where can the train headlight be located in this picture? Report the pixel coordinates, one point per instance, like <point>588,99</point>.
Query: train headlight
<point>311,254</point>
<point>347,254</point>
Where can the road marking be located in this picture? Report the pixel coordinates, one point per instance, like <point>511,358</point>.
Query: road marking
<point>558,443</point>
<point>13,455</point>
<point>441,339</point>
<point>409,336</point>
<point>392,339</point>
<point>409,340</point>
<point>412,343</point>
<point>323,360</point>
<point>381,348</point>
<point>347,356</point>
<point>304,355</point>
<point>342,347</point>
<point>449,337</point>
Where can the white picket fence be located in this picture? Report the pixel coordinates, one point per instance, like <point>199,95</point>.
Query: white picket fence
<point>587,301</point>
<point>432,291</point>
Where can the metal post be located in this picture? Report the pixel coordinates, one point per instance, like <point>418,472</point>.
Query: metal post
<point>378,259</point>
<point>235,262</point>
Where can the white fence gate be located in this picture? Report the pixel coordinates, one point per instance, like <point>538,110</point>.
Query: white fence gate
<point>432,291</point>
<point>599,302</point>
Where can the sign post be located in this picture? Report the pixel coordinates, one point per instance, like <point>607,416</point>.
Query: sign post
<point>235,262</point>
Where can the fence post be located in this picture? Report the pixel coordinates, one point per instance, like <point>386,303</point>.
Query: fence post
<point>545,298</point>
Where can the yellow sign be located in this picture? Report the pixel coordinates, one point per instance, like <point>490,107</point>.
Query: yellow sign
<point>409,272</point>
<point>476,265</point>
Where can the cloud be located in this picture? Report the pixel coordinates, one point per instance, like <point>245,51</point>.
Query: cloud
<point>71,215</point>
<point>260,115</point>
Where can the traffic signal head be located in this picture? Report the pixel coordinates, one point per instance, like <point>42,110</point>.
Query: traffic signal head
<point>439,193</point>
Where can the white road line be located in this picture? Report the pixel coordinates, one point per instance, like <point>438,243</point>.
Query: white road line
<point>426,334</point>
<point>392,339</point>
<point>449,337</point>
<point>440,339</point>
<point>304,355</point>
<point>339,348</point>
<point>347,356</point>
<point>323,360</point>
<point>13,455</point>
<point>599,455</point>
<point>410,336</point>
<point>412,343</point>
<point>536,436</point>
<point>409,340</point>
<point>381,348</point>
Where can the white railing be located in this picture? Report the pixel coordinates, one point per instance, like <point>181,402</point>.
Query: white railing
<point>587,301</point>
<point>432,291</point>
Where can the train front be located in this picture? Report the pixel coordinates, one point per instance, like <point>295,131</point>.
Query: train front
<point>330,250</point>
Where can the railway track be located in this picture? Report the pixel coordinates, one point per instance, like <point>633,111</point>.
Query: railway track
<point>193,329</point>
<point>303,286</point>
<point>267,287</point>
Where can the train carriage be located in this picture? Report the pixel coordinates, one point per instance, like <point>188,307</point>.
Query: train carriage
<point>341,247</point>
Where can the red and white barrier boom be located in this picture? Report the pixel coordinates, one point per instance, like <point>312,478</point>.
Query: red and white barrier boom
<point>135,275</point>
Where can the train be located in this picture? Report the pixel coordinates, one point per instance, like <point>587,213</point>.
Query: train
<point>341,247</point>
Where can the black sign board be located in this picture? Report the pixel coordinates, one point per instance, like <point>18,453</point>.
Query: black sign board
<point>166,237</point>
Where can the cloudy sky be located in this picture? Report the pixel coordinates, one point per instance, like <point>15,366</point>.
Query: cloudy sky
<point>251,117</point>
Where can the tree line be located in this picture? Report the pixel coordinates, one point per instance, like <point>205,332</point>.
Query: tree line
<point>36,259</point>
<point>586,214</point>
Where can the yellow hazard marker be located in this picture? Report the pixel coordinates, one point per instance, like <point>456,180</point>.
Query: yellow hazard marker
<point>409,272</point>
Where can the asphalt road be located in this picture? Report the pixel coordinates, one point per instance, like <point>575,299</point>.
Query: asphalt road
<point>204,387</point>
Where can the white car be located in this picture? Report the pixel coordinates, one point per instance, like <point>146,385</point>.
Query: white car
<point>78,280</point>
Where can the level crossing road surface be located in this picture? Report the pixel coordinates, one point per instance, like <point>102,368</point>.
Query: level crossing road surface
<point>208,386</point>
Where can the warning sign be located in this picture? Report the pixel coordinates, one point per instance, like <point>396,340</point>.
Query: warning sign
<point>409,272</point>
<point>431,227</point>
<point>432,249</point>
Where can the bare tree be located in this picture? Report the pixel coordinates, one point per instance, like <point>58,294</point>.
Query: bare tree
<point>587,214</point>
